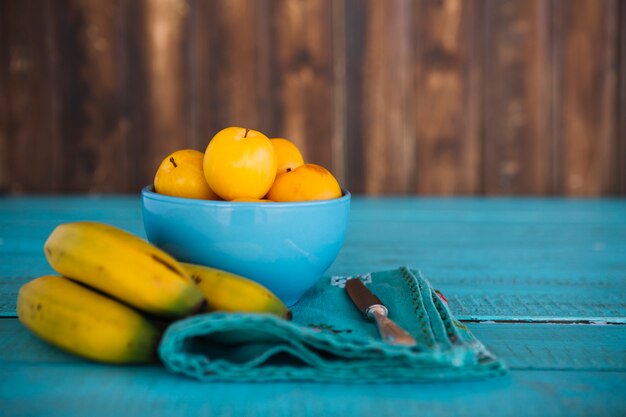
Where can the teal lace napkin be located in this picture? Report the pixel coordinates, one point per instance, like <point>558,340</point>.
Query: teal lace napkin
<point>329,339</point>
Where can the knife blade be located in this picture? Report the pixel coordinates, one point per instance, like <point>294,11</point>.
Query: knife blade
<point>374,310</point>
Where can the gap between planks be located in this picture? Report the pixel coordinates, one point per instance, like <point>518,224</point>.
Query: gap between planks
<point>543,320</point>
<point>593,321</point>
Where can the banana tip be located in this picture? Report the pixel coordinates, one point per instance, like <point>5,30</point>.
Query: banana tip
<point>288,315</point>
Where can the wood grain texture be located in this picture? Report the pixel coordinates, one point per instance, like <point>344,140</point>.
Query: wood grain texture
<point>448,97</point>
<point>621,148</point>
<point>4,101</point>
<point>551,254</point>
<point>92,93</point>
<point>586,37</point>
<point>34,149</point>
<point>498,259</point>
<point>158,74</point>
<point>441,97</point>
<point>339,142</point>
<point>380,141</point>
<point>305,107</point>
<point>238,70</point>
<point>520,346</point>
<point>42,390</point>
<point>352,22</point>
<point>518,138</point>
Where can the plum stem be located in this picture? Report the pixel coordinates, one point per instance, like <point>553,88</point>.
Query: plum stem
<point>245,135</point>
<point>173,162</point>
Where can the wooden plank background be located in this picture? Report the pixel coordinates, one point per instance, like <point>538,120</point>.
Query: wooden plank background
<point>433,97</point>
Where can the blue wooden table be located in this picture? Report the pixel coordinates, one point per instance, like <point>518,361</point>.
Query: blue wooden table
<point>541,282</point>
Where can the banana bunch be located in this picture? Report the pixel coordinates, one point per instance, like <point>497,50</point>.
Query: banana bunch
<point>109,278</point>
<point>86,323</point>
<point>124,266</point>
<point>232,293</point>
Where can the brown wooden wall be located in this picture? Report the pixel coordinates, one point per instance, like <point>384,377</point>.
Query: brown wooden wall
<point>395,97</point>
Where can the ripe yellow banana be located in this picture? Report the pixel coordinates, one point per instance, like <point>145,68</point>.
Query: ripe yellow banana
<point>124,266</point>
<point>86,323</point>
<point>232,293</point>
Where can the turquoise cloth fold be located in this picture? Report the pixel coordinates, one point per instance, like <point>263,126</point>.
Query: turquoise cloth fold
<point>330,340</point>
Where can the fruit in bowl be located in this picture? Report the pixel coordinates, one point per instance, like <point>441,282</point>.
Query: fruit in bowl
<point>281,222</point>
<point>288,156</point>
<point>306,182</point>
<point>239,163</point>
<point>181,175</point>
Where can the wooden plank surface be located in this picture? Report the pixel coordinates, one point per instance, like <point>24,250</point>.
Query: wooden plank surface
<point>238,72</point>
<point>305,105</point>
<point>501,259</point>
<point>521,346</point>
<point>518,137</point>
<point>586,62</point>
<point>93,124</point>
<point>513,256</point>
<point>160,113</point>
<point>34,151</point>
<point>582,351</point>
<point>621,108</point>
<point>74,390</point>
<point>380,142</point>
<point>480,297</point>
<point>4,101</point>
<point>555,366</point>
<point>433,97</point>
<point>447,98</point>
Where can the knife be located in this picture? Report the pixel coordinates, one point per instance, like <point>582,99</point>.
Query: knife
<point>374,310</point>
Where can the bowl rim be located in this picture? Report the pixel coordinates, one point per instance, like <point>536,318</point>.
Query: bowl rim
<point>148,192</point>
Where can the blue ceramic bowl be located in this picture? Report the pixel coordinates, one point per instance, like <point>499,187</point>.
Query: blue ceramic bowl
<point>284,246</point>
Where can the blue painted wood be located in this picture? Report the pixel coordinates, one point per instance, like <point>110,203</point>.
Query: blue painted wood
<point>512,210</point>
<point>68,390</point>
<point>496,259</point>
<point>556,346</point>
<point>577,209</point>
<point>521,346</point>
<point>508,259</point>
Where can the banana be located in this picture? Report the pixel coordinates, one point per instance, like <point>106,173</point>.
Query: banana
<point>124,266</point>
<point>86,323</point>
<point>232,293</point>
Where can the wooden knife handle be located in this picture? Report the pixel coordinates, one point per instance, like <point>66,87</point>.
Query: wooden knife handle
<point>390,331</point>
